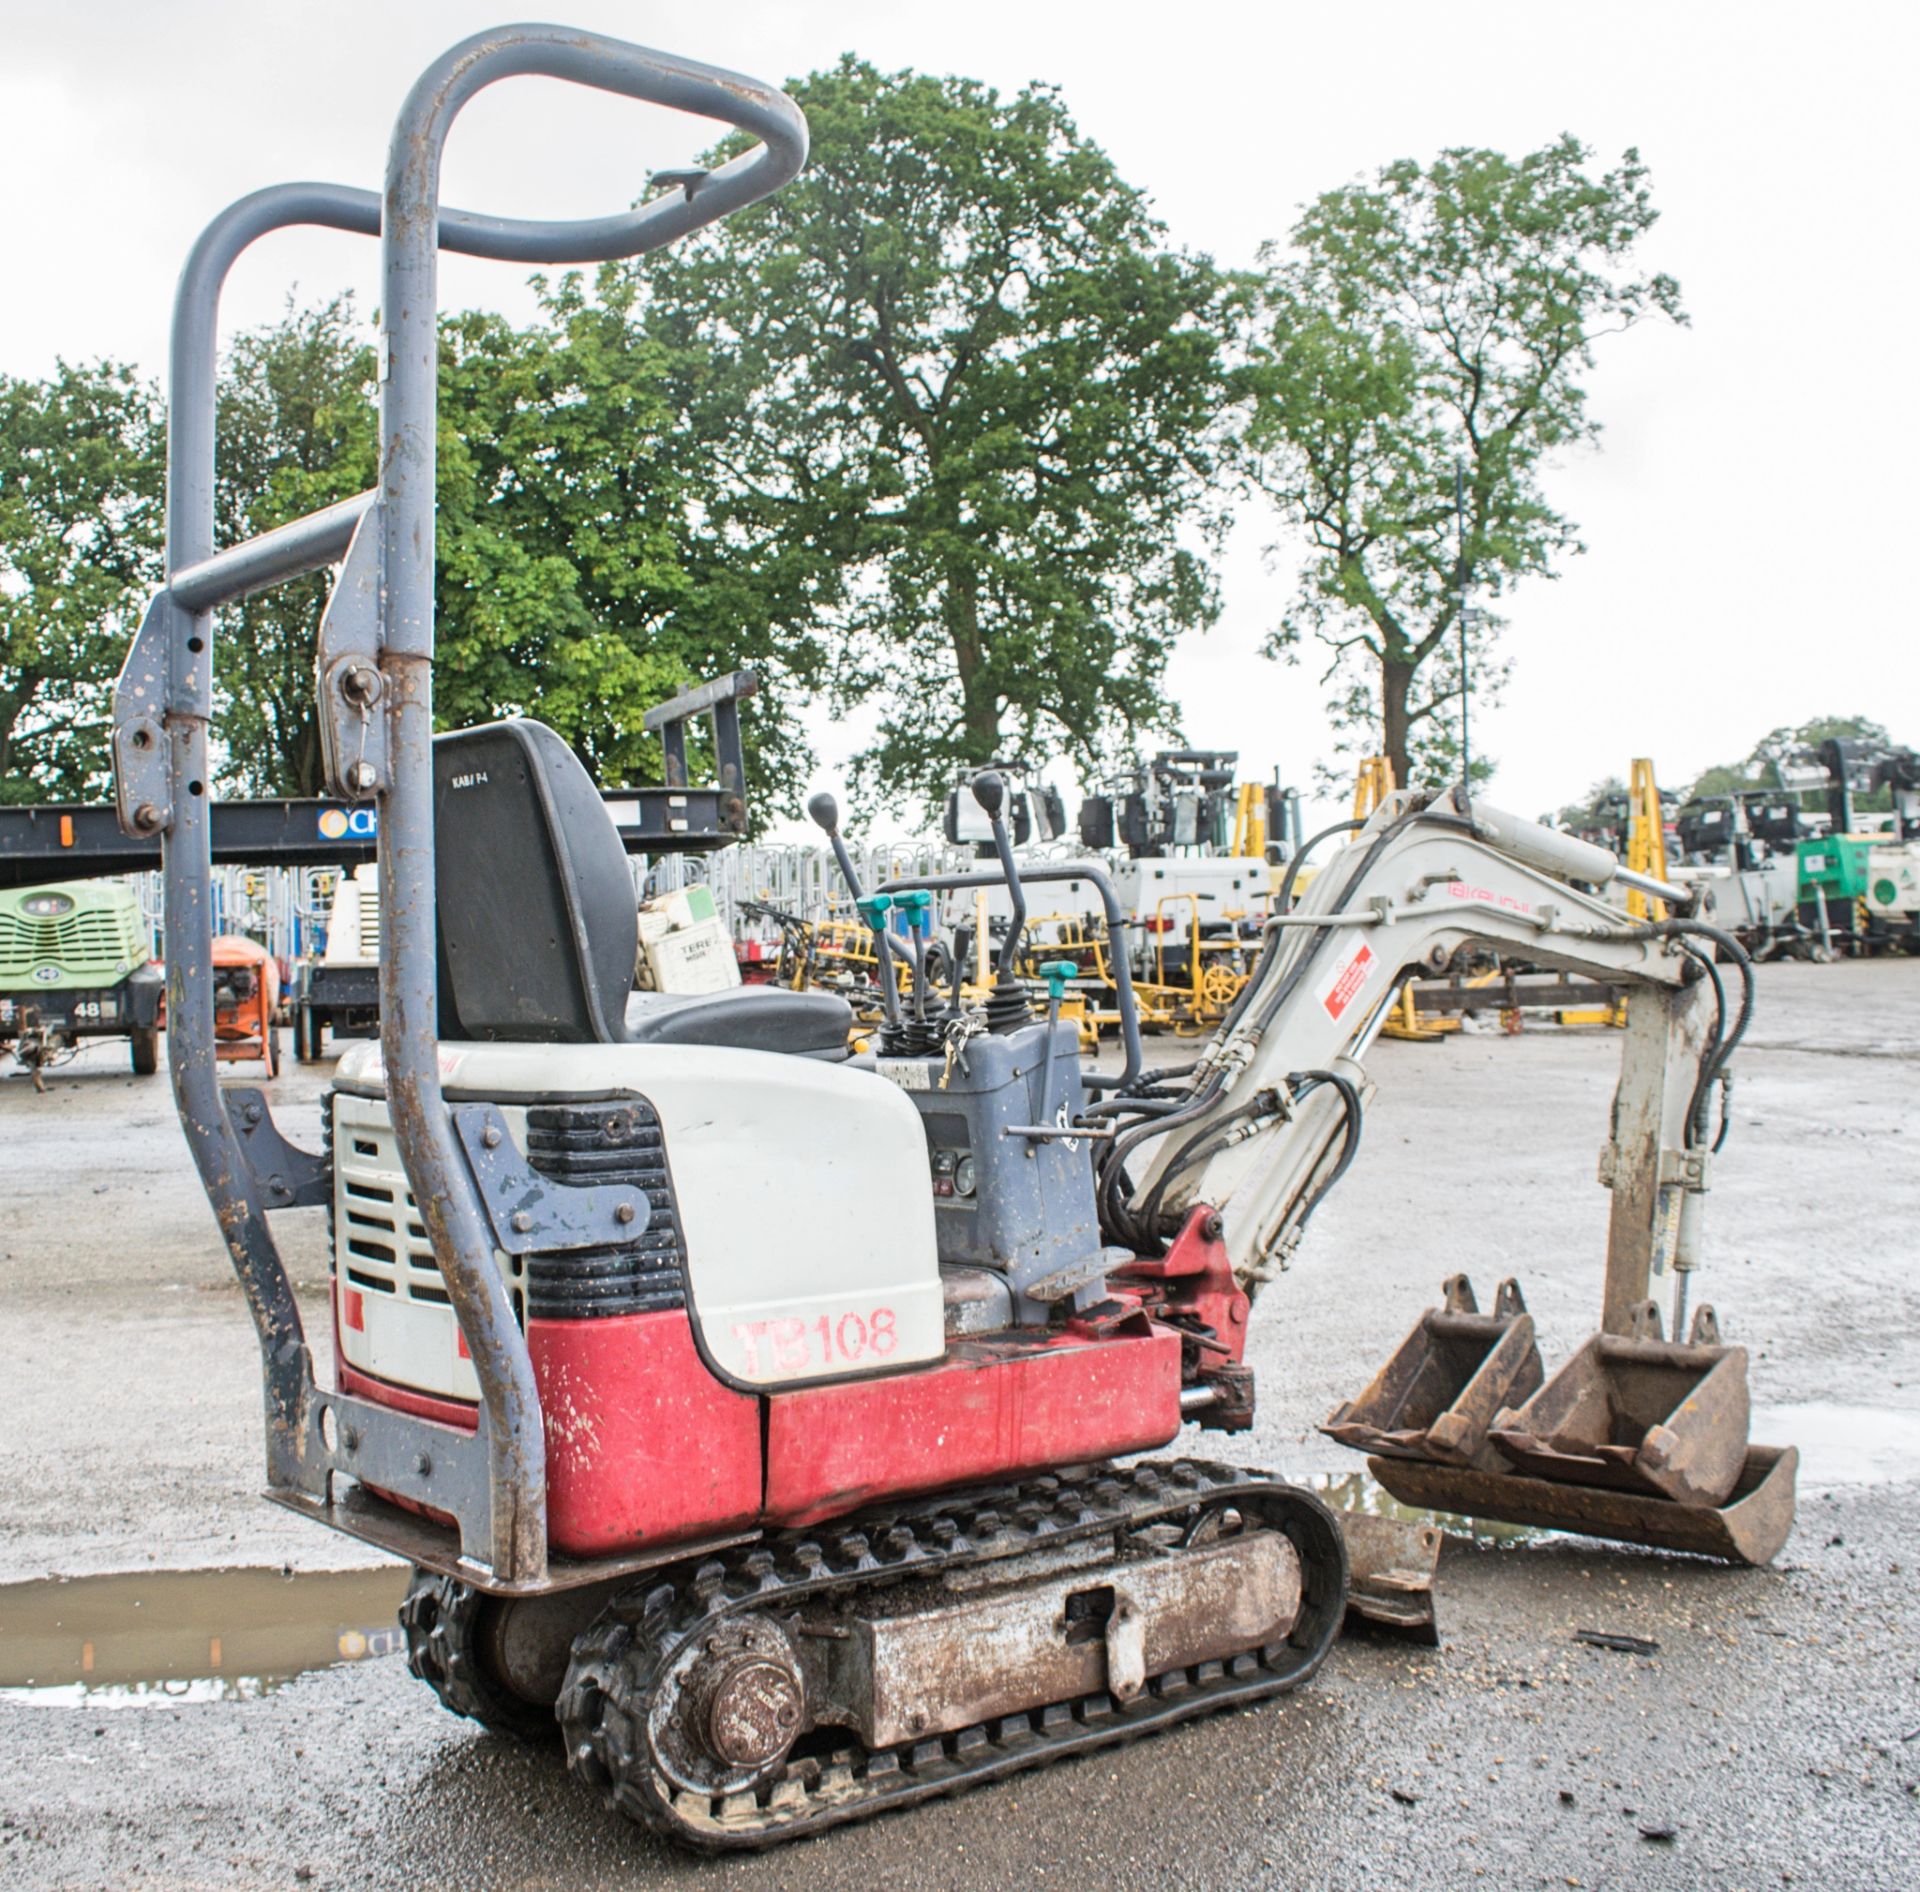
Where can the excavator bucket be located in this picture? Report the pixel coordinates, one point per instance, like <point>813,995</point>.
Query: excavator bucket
<point>1637,1439</point>
<point>1749,1528</point>
<point>1390,1569</point>
<point>1635,1412</point>
<point>1447,1383</point>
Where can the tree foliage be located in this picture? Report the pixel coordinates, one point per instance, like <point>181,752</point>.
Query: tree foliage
<point>81,471</point>
<point>579,579</point>
<point>1761,768</point>
<point>963,399</point>
<point>569,585</point>
<point>1438,315</point>
<point>296,432</point>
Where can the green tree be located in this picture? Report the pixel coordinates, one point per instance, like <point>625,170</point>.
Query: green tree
<point>964,401</point>
<point>574,583</point>
<point>1604,804</point>
<point>1438,315</point>
<point>1763,764</point>
<point>580,577</point>
<point>80,534</point>
<point>296,433</point>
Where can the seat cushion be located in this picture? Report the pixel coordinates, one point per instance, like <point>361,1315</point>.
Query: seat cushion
<point>746,1018</point>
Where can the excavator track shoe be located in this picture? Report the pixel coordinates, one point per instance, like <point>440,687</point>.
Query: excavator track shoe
<point>452,1634</point>
<point>819,1678</point>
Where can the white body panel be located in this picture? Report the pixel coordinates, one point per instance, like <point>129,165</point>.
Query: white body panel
<point>353,922</point>
<point>394,1318</point>
<point>1223,885</point>
<point>1895,868</point>
<point>803,1191</point>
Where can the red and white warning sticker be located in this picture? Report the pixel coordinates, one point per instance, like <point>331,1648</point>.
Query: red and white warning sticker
<point>1340,985</point>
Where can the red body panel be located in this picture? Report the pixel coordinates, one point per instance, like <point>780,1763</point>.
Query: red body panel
<point>646,1446</point>
<point>990,1409</point>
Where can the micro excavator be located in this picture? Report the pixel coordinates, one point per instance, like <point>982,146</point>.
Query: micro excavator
<point>767,1417</point>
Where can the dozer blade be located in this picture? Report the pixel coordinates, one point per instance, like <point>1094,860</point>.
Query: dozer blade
<point>1390,1570</point>
<point>1749,1528</point>
<point>1447,1382</point>
<point>1636,1413</point>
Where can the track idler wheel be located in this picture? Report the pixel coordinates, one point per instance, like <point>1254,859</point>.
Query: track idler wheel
<point>714,1716</point>
<point>455,1645</point>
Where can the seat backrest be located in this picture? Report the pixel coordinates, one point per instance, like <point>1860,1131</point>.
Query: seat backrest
<point>538,921</point>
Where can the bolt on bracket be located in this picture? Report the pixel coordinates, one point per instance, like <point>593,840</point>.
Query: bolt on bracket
<point>353,728</point>
<point>531,1214</point>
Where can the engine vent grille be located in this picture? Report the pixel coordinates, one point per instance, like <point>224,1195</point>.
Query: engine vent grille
<point>377,1240</point>
<point>95,943</point>
<point>617,1142</point>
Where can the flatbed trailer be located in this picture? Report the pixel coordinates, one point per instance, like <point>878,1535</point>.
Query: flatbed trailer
<point>82,840</point>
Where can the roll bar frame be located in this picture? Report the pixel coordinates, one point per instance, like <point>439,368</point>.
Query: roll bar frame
<point>379,631</point>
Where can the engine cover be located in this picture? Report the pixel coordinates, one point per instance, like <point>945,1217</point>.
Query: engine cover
<point>798,1186</point>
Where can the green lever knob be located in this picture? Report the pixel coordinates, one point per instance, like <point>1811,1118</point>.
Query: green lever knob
<point>912,906</point>
<point>873,909</point>
<point>1057,972</point>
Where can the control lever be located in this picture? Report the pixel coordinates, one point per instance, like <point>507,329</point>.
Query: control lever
<point>962,952</point>
<point>1007,1008</point>
<point>1057,972</point>
<point>913,906</point>
<point>825,812</point>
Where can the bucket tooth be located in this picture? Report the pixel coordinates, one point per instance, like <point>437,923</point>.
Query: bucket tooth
<point>1637,1413</point>
<point>1447,1382</point>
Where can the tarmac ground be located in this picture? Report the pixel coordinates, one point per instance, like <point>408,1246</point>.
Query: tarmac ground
<point>249,1724</point>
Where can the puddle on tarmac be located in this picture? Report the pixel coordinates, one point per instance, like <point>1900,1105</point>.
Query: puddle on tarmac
<point>1355,1491</point>
<point>158,1638</point>
<point>1844,1445</point>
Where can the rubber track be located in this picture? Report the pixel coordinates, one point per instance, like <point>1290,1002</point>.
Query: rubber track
<point>605,1703</point>
<point>441,1618</point>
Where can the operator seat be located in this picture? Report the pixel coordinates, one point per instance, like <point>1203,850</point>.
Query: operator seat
<point>539,929</point>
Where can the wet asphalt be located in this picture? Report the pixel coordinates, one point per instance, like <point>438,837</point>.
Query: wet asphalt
<point>1771,1737</point>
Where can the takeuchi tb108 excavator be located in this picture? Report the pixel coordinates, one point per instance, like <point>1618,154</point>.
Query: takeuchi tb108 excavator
<point>754,1412</point>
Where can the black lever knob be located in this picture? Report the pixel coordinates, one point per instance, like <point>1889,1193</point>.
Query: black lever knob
<point>825,811</point>
<point>990,791</point>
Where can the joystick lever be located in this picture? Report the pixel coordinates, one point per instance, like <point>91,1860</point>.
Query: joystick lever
<point>915,907</point>
<point>1007,1008</point>
<point>825,812</point>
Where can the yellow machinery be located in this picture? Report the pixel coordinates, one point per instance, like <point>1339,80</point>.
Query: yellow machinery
<point>1371,786</point>
<point>1646,839</point>
<point>1250,822</point>
<point>1193,999</point>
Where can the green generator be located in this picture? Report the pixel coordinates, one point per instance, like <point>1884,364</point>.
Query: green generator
<point>74,964</point>
<point>1835,872</point>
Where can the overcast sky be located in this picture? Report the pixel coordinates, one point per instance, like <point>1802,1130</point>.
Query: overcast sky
<point>1749,515</point>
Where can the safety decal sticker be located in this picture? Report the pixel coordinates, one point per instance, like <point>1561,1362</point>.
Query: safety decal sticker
<point>1341,986</point>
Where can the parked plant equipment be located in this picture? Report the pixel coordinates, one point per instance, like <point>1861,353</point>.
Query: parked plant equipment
<point>753,1409</point>
<point>75,963</point>
<point>1859,887</point>
<point>337,994</point>
<point>246,998</point>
